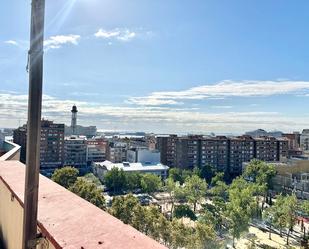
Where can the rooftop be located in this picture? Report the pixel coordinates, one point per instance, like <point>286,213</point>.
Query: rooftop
<point>68,221</point>
<point>126,166</point>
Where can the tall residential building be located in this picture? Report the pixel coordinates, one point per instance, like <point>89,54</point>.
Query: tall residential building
<point>242,149</point>
<point>167,147</point>
<point>187,152</point>
<point>96,150</point>
<point>266,149</point>
<point>75,151</point>
<point>117,152</point>
<point>223,153</point>
<point>51,146</point>
<point>304,140</point>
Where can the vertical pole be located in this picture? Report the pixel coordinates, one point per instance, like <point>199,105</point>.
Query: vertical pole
<point>35,64</point>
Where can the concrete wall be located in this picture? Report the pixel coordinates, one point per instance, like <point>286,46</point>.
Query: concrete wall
<point>11,221</point>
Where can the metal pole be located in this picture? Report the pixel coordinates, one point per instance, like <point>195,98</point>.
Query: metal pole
<point>35,65</point>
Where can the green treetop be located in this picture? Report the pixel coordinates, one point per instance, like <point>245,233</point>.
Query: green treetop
<point>65,176</point>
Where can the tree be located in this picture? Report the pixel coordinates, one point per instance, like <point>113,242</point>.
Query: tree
<point>220,190</point>
<point>89,192</point>
<point>207,172</point>
<point>133,181</point>
<point>276,214</point>
<point>65,176</point>
<point>202,236</point>
<point>92,178</point>
<point>290,208</point>
<point>176,175</point>
<point>115,180</point>
<point>171,188</point>
<point>261,173</point>
<point>304,207</point>
<point>239,208</point>
<point>195,188</point>
<point>164,228</point>
<point>180,234</point>
<point>151,183</point>
<point>123,207</point>
<point>219,177</point>
<point>184,211</point>
<point>213,214</point>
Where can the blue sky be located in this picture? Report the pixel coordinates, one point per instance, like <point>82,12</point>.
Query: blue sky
<point>163,65</point>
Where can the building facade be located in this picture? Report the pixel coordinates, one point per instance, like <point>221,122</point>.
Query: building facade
<point>167,147</point>
<point>143,155</point>
<point>101,168</point>
<point>225,154</point>
<point>75,152</point>
<point>96,150</point>
<point>242,149</point>
<point>304,140</point>
<point>51,145</point>
<point>117,152</point>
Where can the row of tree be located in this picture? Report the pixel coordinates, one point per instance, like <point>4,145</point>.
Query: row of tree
<point>150,221</point>
<point>214,206</point>
<point>232,207</point>
<point>117,181</point>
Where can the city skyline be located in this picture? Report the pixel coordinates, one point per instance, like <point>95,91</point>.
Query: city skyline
<point>162,67</point>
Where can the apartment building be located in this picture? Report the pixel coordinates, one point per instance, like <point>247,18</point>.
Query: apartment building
<point>75,152</point>
<point>96,150</point>
<point>167,147</point>
<point>188,150</point>
<point>266,149</point>
<point>51,145</point>
<point>242,149</point>
<point>225,154</point>
<point>117,152</point>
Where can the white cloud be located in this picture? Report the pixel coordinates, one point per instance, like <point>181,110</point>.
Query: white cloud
<point>58,41</point>
<point>157,119</point>
<point>222,106</point>
<point>152,101</point>
<point>124,35</point>
<point>229,88</point>
<point>11,42</point>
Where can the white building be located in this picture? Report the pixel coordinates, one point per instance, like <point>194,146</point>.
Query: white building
<point>101,168</point>
<point>143,155</point>
<point>304,140</point>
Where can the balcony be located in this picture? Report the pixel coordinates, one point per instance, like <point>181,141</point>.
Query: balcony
<point>64,219</point>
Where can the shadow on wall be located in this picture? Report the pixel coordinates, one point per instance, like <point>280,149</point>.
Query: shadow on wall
<point>1,239</point>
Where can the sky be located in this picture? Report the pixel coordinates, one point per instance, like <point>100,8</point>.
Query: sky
<point>163,66</point>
